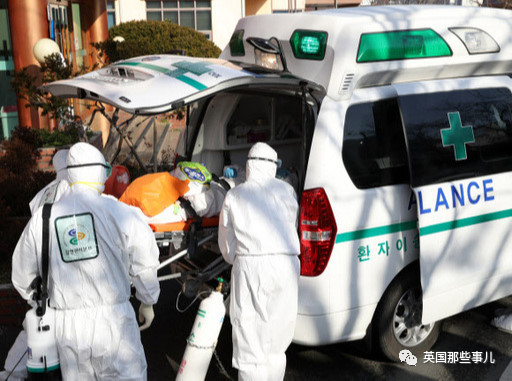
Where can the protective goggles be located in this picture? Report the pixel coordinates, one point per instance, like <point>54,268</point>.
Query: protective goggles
<point>108,167</point>
<point>277,162</point>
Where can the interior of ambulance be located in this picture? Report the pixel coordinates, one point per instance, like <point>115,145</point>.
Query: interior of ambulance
<point>224,119</point>
<point>220,132</point>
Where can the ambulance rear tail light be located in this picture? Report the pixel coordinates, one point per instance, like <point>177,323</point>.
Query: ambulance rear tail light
<point>317,228</point>
<point>476,40</point>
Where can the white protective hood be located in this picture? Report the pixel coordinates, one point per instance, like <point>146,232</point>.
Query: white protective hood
<point>59,162</point>
<point>261,163</point>
<point>86,165</point>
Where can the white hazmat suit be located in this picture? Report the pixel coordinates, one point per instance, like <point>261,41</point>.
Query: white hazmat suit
<point>53,191</point>
<point>50,193</point>
<point>97,246</point>
<point>258,235</point>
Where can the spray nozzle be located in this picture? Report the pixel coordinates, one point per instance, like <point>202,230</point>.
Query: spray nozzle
<point>221,283</point>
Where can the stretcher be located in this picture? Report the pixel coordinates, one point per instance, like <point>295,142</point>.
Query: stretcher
<point>173,235</point>
<point>189,248</point>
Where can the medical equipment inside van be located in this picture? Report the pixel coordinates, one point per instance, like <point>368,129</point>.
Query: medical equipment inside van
<point>393,122</point>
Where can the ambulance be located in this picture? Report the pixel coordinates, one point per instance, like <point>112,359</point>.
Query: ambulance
<point>394,123</point>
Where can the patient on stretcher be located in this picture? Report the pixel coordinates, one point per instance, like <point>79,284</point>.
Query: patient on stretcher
<point>161,196</point>
<point>157,195</point>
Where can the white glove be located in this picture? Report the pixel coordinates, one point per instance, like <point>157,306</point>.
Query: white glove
<point>146,316</point>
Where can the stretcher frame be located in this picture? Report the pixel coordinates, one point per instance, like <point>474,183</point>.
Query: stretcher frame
<point>192,233</point>
<point>182,246</point>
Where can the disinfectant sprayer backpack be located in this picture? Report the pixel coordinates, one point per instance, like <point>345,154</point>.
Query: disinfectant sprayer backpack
<point>43,358</point>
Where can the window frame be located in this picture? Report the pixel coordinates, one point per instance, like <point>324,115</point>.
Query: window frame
<point>279,129</point>
<point>431,160</point>
<point>179,9</point>
<point>111,11</point>
<point>371,169</point>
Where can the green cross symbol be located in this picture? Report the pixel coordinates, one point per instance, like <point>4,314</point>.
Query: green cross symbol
<point>197,68</point>
<point>457,136</point>
<point>183,67</point>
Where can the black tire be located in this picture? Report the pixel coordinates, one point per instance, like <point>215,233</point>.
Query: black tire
<point>397,321</point>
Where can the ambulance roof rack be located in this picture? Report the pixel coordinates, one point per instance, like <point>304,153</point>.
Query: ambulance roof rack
<point>350,48</point>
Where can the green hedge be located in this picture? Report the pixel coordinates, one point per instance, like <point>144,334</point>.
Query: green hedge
<point>154,37</point>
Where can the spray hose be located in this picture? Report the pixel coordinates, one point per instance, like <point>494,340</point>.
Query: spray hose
<point>14,367</point>
<point>191,303</point>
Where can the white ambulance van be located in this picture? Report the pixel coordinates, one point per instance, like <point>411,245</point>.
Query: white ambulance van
<point>395,123</point>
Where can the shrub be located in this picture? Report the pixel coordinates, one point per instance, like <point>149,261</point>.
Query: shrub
<point>20,154</point>
<point>66,136</point>
<point>20,180</point>
<point>154,37</point>
<point>26,85</point>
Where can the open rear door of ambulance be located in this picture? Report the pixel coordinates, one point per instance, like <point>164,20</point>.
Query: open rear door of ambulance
<point>155,84</point>
<point>459,144</point>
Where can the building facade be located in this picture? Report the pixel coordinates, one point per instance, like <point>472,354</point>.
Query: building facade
<point>72,24</point>
<point>215,18</point>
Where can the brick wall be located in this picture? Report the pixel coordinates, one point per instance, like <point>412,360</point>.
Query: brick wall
<point>44,162</point>
<point>12,306</point>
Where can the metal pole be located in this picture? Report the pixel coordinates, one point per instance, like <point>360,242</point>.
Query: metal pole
<point>182,253</point>
<point>169,277</point>
<point>155,153</point>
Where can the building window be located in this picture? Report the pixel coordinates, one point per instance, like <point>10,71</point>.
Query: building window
<point>7,95</point>
<point>111,13</point>
<point>196,14</point>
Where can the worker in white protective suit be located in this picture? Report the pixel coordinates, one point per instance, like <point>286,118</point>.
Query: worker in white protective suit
<point>258,235</point>
<point>53,191</point>
<point>16,361</point>
<point>97,246</point>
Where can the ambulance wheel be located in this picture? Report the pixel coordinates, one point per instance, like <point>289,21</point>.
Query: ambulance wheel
<point>397,322</point>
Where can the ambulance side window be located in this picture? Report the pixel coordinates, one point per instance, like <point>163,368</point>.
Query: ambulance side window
<point>480,121</point>
<point>374,146</point>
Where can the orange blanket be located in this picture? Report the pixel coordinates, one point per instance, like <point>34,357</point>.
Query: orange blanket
<point>183,225</point>
<point>154,192</point>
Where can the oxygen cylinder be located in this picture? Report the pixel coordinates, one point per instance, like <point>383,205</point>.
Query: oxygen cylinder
<point>203,337</point>
<point>43,357</point>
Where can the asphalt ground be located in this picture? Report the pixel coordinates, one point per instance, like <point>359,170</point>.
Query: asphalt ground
<point>468,332</point>
<point>165,343</point>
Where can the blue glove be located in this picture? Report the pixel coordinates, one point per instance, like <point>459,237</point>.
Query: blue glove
<point>282,173</point>
<point>230,172</point>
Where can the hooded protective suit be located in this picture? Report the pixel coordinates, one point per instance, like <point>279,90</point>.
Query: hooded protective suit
<point>258,235</point>
<point>50,193</point>
<point>97,246</point>
<point>57,187</point>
